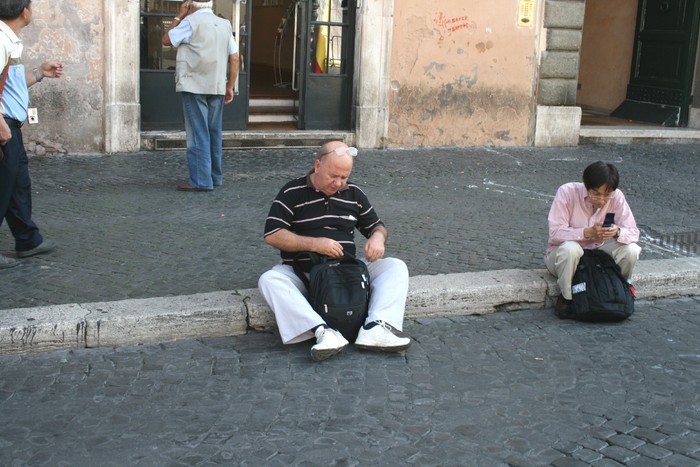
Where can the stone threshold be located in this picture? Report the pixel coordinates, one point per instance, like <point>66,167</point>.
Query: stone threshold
<point>589,134</point>
<point>247,139</point>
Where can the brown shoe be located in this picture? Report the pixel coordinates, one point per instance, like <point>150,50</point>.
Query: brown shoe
<point>561,305</point>
<point>184,186</point>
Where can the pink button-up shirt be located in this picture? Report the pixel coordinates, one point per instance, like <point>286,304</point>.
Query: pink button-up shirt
<point>572,211</point>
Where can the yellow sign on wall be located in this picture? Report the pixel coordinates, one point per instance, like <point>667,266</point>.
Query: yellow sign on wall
<point>526,12</point>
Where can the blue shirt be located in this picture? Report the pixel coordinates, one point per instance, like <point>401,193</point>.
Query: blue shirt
<point>15,96</point>
<point>182,33</point>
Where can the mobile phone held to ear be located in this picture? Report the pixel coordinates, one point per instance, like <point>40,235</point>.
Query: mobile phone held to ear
<point>609,219</point>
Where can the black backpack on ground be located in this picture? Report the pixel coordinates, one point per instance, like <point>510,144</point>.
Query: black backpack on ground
<point>599,290</point>
<point>338,289</point>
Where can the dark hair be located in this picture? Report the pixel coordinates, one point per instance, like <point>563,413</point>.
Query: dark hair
<point>11,9</point>
<point>598,174</point>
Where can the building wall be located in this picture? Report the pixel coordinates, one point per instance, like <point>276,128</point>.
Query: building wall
<point>71,109</point>
<point>606,53</point>
<point>461,74</point>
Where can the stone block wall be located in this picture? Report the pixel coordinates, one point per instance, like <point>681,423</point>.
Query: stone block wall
<point>559,66</point>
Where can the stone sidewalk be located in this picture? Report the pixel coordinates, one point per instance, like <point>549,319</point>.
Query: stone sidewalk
<point>139,261</point>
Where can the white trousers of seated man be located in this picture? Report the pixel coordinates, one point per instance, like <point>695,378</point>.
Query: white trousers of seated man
<point>562,261</point>
<point>285,293</point>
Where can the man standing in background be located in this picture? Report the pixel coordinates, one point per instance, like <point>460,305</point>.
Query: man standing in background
<point>15,184</point>
<point>205,47</point>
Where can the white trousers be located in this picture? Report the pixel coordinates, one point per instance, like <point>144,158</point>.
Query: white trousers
<point>285,293</point>
<point>562,261</point>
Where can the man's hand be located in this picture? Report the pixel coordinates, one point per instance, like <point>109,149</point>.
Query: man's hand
<point>228,97</point>
<point>374,248</point>
<point>5,133</point>
<point>598,232</point>
<point>51,69</point>
<point>328,247</point>
<point>185,9</point>
<point>286,240</point>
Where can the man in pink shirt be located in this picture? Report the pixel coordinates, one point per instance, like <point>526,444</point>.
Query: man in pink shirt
<point>576,223</point>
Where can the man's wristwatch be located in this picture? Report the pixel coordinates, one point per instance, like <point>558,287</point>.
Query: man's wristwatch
<point>617,234</point>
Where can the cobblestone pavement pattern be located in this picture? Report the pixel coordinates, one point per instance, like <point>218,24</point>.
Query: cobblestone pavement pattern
<point>124,232</point>
<point>516,389</point>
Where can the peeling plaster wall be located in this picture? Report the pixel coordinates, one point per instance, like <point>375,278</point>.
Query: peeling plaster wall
<point>461,74</point>
<point>71,109</point>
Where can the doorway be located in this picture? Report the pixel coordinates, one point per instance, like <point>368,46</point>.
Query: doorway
<point>302,62</point>
<point>272,50</point>
<point>635,56</point>
<point>296,61</point>
<point>161,106</point>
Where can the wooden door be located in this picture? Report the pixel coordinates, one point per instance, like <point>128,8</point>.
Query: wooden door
<point>660,87</point>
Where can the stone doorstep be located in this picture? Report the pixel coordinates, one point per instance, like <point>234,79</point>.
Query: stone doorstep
<point>219,314</point>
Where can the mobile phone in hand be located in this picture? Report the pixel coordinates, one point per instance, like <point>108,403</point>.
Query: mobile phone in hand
<point>609,219</point>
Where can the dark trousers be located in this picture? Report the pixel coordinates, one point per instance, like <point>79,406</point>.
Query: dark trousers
<point>16,193</point>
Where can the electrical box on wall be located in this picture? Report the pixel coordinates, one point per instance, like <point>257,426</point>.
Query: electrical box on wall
<point>526,13</point>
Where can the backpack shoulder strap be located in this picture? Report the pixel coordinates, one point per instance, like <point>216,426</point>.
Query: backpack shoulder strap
<point>348,258</point>
<point>4,76</point>
<point>314,259</point>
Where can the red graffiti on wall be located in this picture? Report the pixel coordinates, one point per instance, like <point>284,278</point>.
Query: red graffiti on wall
<point>447,25</point>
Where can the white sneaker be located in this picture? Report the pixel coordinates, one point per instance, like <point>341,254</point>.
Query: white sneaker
<point>328,343</point>
<point>381,338</point>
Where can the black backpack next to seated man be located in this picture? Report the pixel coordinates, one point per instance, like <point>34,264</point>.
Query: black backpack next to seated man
<point>338,290</point>
<point>599,290</point>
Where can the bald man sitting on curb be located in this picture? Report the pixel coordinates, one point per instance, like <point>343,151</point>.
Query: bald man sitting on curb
<point>319,212</point>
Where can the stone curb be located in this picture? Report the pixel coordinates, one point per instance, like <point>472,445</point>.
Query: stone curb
<point>217,314</point>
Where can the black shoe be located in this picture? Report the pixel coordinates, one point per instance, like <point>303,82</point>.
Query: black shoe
<point>561,305</point>
<point>44,247</point>
<point>184,186</point>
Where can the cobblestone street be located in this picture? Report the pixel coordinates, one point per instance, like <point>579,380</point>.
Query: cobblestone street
<point>522,388</point>
<point>510,388</point>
